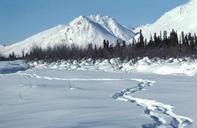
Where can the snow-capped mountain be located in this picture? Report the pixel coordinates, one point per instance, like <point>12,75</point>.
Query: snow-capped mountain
<point>81,31</point>
<point>181,18</point>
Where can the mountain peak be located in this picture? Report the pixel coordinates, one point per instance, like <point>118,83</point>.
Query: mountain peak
<point>82,31</point>
<point>79,20</point>
<point>99,16</point>
<point>111,25</point>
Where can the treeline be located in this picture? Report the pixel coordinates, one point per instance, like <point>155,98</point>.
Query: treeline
<point>165,45</point>
<point>12,57</point>
<point>162,46</point>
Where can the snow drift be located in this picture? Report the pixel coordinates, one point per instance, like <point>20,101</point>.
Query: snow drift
<point>163,67</point>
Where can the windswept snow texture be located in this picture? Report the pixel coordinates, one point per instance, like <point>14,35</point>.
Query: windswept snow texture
<point>162,114</point>
<point>185,66</point>
<point>81,31</point>
<point>181,18</point>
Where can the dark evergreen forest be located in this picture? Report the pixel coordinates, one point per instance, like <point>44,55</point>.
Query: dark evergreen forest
<point>164,46</point>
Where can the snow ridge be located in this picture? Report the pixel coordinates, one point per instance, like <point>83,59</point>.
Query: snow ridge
<point>162,114</point>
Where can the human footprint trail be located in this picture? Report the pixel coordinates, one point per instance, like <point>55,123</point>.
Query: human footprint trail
<point>162,114</point>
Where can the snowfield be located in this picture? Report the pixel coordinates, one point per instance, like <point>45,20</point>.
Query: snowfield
<point>54,96</point>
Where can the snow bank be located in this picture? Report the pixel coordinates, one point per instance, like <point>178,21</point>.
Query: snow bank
<point>164,67</point>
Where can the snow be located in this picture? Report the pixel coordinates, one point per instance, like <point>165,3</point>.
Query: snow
<point>82,31</point>
<point>52,97</point>
<point>181,18</point>
<point>13,66</point>
<point>43,39</point>
<point>156,110</point>
<point>83,94</point>
<point>171,66</point>
<point>113,26</point>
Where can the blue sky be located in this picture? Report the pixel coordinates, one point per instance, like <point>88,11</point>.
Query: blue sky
<point>20,19</point>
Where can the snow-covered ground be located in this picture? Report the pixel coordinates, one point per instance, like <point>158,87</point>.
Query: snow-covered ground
<point>55,97</point>
<point>171,66</point>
